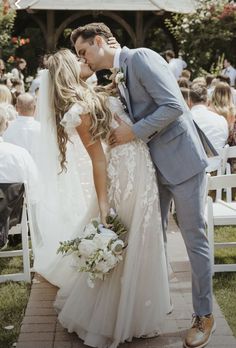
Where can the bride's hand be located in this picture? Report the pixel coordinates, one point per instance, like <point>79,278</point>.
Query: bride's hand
<point>104,212</point>
<point>112,42</point>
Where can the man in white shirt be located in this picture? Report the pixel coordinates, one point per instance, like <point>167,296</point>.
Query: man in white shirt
<point>229,71</point>
<point>24,131</point>
<point>16,164</point>
<point>213,125</point>
<point>177,65</point>
<point>35,84</point>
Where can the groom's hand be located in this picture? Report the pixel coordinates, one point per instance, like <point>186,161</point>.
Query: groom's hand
<point>122,134</point>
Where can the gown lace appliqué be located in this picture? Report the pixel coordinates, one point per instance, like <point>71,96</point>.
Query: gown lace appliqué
<point>134,299</point>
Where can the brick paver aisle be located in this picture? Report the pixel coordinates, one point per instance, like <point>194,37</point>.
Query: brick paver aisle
<point>40,328</point>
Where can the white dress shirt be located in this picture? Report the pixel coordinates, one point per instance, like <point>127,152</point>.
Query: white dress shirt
<point>24,132</point>
<point>116,65</point>
<point>216,129</point>
<point>231,73</point>
<point>16,165</point>
<point>176,66</point>
<point>34,85</point>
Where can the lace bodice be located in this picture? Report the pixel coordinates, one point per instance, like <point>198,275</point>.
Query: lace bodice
<point>117,108</point>
<point>72,118</point>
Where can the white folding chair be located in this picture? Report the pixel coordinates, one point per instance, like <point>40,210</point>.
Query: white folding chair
<point>223,153</point>
<point>23,228</point>
<point>220,213</point>
<point>231,153</point>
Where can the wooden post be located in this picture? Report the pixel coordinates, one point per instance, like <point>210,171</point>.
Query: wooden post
<point>139,29</point>
<point>51,44</point>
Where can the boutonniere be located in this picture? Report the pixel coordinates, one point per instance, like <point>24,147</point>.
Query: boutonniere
<point>118,76</point>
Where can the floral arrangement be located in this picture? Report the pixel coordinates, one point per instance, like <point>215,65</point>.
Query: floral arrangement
<point>98,250</point>
<point>20,41</point>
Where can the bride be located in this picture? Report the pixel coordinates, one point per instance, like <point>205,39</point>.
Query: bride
<point>134,299</point>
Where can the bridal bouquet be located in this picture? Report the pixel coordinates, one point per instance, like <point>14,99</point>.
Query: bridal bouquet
<point>98,250</point>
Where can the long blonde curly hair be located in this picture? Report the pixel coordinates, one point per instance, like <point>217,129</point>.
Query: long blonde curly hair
<point>222,102</point>
<point>68,89</point>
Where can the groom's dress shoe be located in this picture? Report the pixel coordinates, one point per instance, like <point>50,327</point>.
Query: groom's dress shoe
<point>199,335</point>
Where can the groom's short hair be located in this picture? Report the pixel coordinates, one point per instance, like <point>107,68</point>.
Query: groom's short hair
<point>89,31</point>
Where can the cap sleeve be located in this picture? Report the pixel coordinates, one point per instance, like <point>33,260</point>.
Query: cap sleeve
<point>72,119</point>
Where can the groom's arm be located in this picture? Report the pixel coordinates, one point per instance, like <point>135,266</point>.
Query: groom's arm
<point>156,78</point>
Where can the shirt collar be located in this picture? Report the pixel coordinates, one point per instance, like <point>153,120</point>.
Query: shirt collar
<point>116,62</point>
<point>25,118</point>
<point>199,106</point>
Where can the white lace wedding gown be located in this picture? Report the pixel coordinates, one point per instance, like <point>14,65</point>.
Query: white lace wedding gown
<point>134,299</point>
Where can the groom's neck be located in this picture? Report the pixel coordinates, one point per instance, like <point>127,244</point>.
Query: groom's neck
<point>108,61</point>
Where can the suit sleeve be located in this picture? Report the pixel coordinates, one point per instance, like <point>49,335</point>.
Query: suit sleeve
<point>155,76</point>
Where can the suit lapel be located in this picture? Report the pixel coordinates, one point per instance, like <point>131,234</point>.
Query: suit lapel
<point>124,66</point>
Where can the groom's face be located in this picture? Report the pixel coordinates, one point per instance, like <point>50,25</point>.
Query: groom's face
<point>91,51</point>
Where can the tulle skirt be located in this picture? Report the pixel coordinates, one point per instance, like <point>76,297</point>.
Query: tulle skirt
<point>133,300</point>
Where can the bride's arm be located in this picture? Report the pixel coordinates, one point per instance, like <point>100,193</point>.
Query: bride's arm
<point>98,159</point>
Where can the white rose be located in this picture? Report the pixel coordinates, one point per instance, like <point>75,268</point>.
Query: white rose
<point>107,232</point>
<point>103,267</point>
<point>87,247</point>
<point>101,241</point>
<point>89,229</point>
<point>117,247</point>
<point>111,260</point>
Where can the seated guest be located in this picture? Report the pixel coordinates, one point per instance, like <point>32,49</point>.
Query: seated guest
<point>18,72</point>
<point>226,79</point>
<point>187,74</point>
<point>221,102</point>
<point>183,82</point>
<point>177,65</point>
<point>209,78</point>
<point>35,84</point>
<point>200,80</point>
<point>5,94</point>
<point>16,90</point>
<point>186,94</point>
<point>2,70</point>
<point>213,125</point>
<point>11,111</point>
<point>24,131</point>
<point>16,164</point>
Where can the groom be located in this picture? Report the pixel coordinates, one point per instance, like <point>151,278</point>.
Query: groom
<point>162,120</point>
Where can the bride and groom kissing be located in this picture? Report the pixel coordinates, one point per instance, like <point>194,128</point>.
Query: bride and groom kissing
<point>154,155</point>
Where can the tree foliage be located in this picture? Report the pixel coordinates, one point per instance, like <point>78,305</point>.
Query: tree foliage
<point>207,34</point>
<point>7,20</point>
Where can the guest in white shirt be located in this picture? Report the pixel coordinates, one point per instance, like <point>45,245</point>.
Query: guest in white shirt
<point>229,71</point>
<point>177,65</point>
<point>213,125</point>
<point>35,84</point>
<point>16,164</point>
<point>24,131</point>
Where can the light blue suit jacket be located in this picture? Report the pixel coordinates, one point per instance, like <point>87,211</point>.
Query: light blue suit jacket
<point>160,115</point>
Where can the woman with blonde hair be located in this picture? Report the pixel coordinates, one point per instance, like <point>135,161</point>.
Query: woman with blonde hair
<point>222,103</point>
<point>5,94</point>
<point>134,299</point>
<point>6,101</point>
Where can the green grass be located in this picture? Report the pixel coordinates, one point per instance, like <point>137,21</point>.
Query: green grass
<point>224,284</point>
<point>13,300</point>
